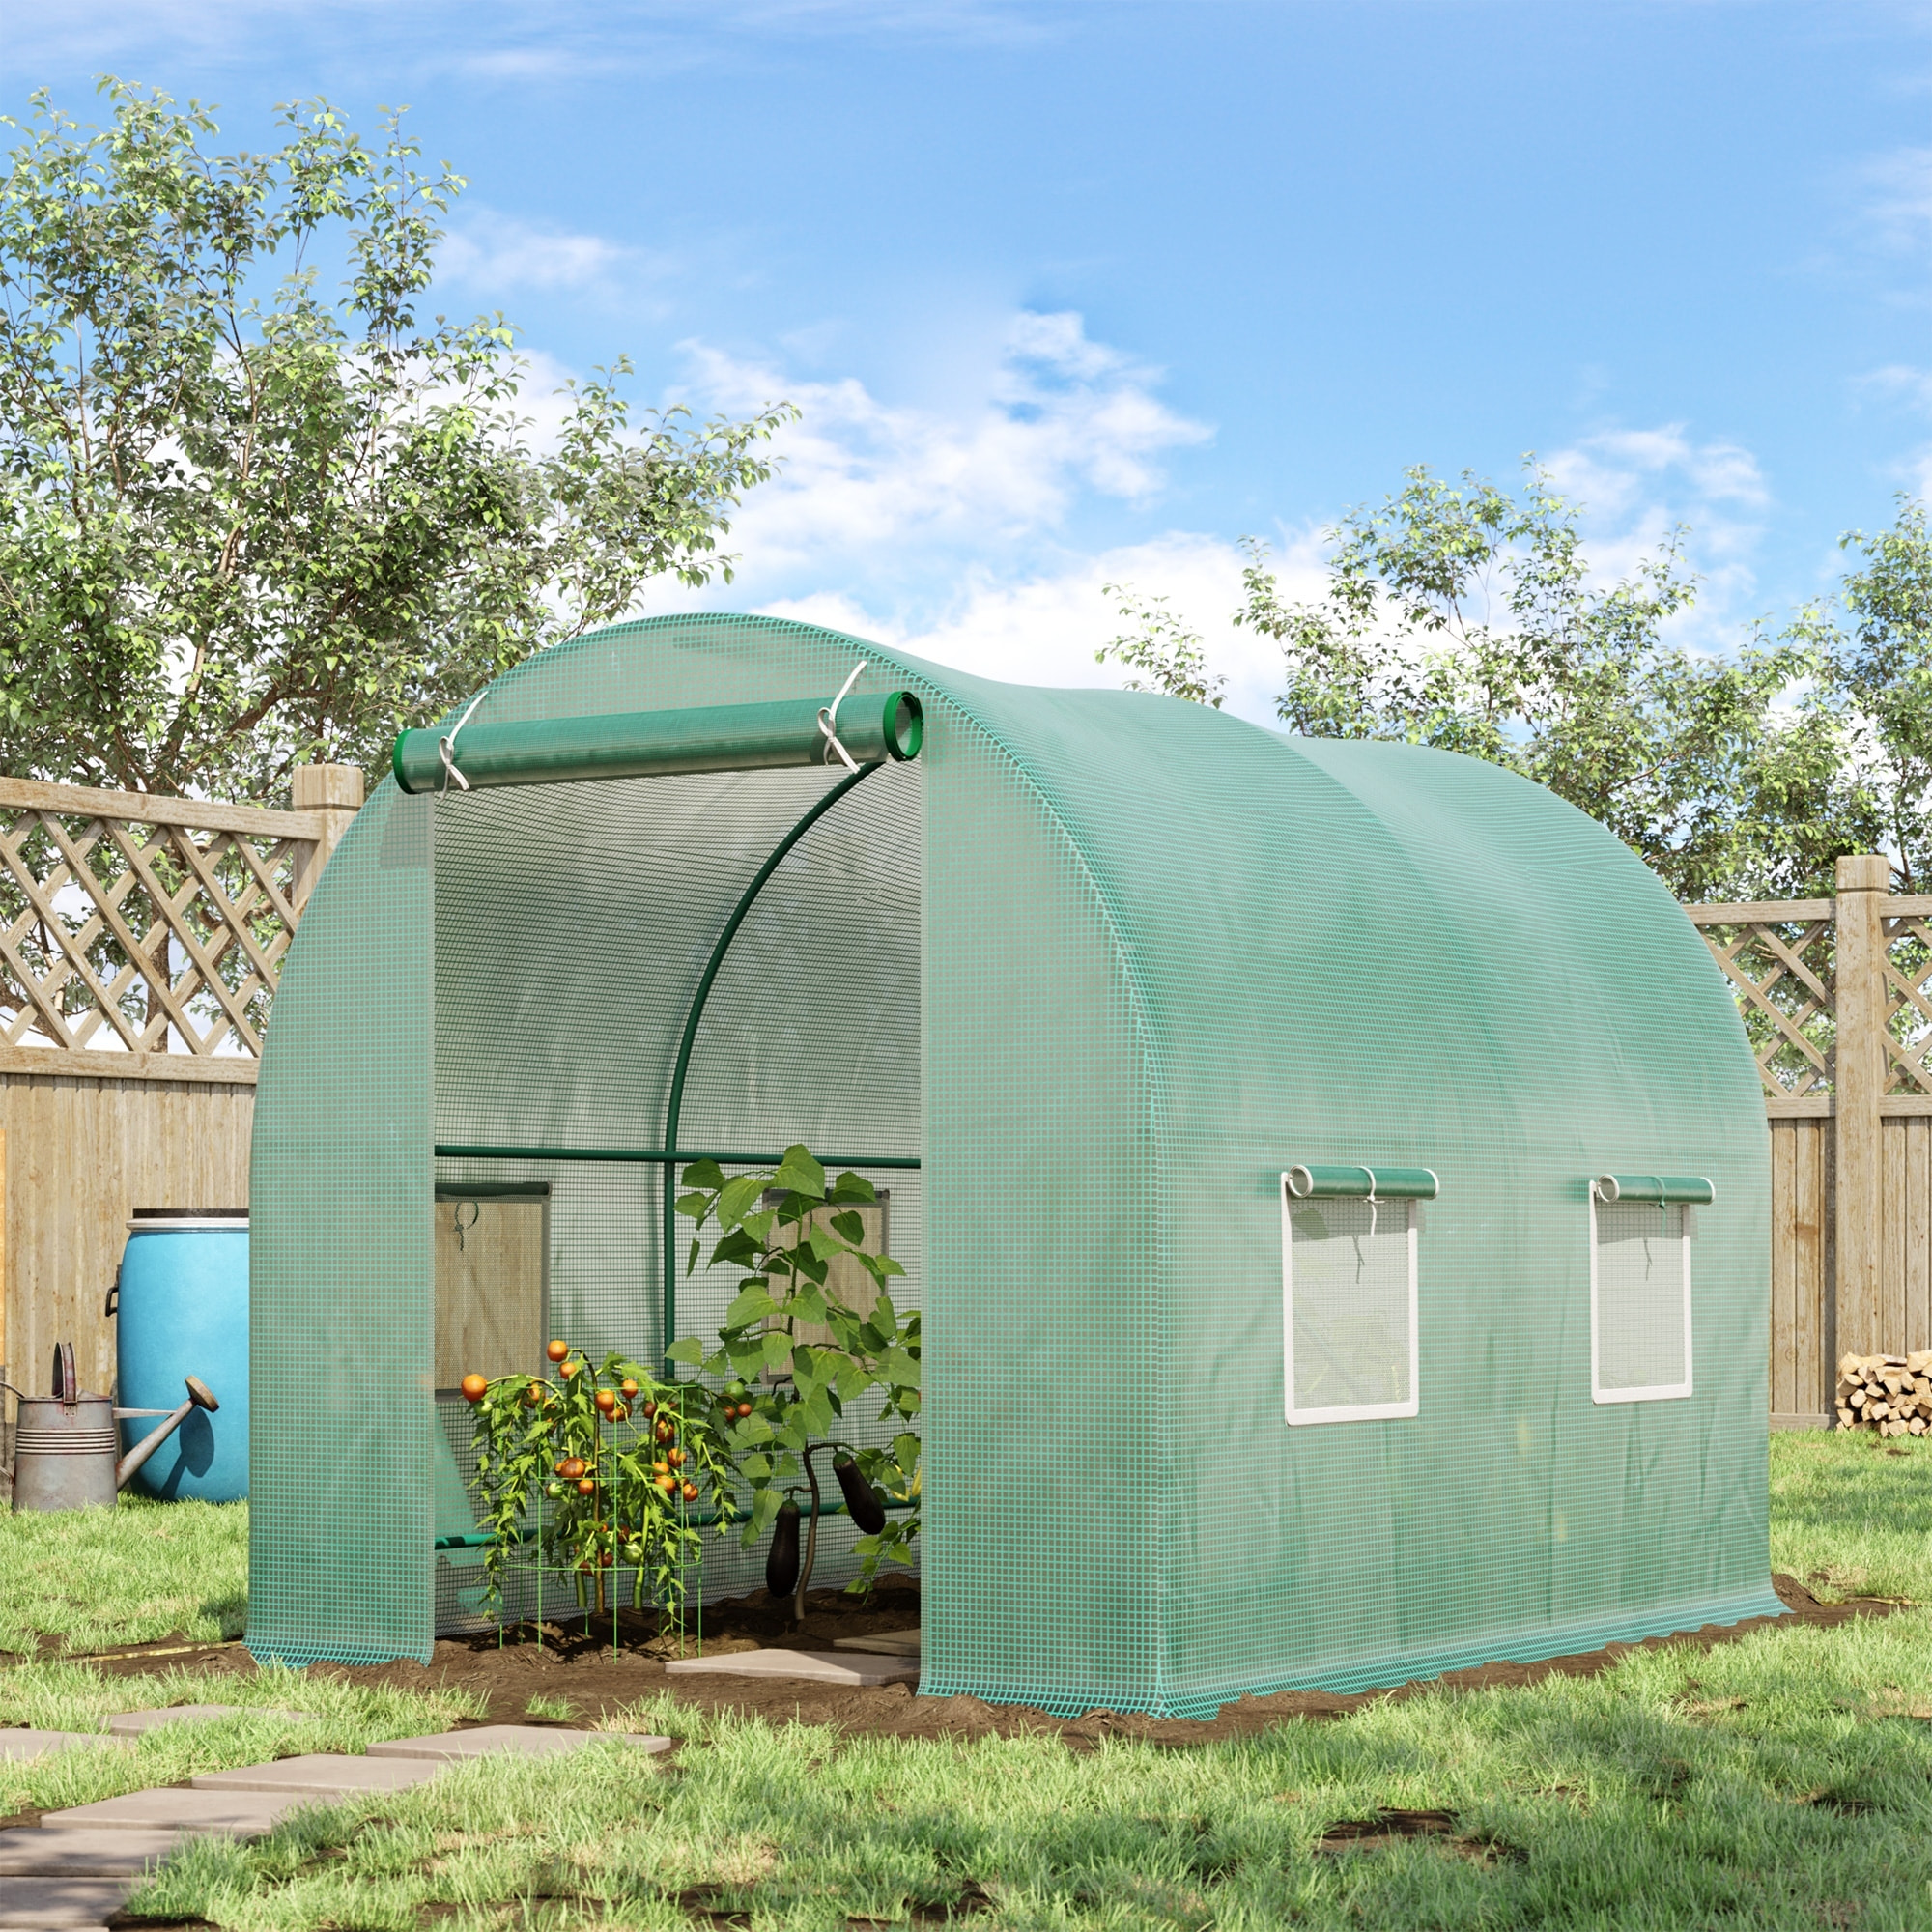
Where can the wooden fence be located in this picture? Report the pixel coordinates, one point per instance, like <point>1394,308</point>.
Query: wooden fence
<point>1836,996</point>
<point>140,940</point>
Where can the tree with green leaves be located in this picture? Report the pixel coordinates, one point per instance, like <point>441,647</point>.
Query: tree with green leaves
<point>251,517</point>
<point>1160,650</point>
<point>1873,656</point>
<point>1465,617</point>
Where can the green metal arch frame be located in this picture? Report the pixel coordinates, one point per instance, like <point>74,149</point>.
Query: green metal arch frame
<point>674,1107</point>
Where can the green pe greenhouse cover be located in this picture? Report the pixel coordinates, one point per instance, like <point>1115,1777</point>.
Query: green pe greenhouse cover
<point>1107,965</point>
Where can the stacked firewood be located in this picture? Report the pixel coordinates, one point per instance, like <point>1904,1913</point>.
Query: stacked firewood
<point>1889,1393</point>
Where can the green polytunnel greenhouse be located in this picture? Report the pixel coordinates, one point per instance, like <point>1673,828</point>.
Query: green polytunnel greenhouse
<point>1333,1175</point>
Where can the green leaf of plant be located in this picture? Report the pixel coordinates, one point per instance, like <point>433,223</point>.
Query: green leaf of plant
<point>800,1173</point>
<point>752,1303</point>
<point>849,1228</point>
<point>737,1197</point>
<point>851,1186</point>
<point>686,1349</point>
<point>705,1173</point>
<point>775,1352</point>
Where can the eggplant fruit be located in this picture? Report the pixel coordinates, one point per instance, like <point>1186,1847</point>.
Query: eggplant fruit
<point>781,1559</point>
<point>867,1512</point>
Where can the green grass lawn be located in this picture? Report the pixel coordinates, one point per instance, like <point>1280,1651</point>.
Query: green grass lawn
<point>63,1696</point>
<point>95,1579</point>
<point>1781,1782</point>
<point>1852,1516</point>
<point>1776,1782</point>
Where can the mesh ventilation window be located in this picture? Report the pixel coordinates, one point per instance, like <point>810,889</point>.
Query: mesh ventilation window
<point>1639,1302</point>
<point>1348,1309</point>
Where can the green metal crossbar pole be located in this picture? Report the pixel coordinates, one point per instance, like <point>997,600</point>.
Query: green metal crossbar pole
<point>786,734</point>
<point>652,1155</point>
<point>704,1519</point>
<point>675,1106</point>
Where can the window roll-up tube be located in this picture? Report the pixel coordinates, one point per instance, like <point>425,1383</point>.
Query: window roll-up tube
<point>1691,1189</point>
<point>1310,1182</point>
<point>643,743</point>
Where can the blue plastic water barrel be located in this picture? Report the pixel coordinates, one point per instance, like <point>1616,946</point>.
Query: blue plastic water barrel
<point>183,1311</point>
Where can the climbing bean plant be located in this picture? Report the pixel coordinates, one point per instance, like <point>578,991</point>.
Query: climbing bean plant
<point>798,1361</point>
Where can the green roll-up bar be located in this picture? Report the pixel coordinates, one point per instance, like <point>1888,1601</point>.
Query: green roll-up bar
<point>1693,1189</point>
<point>1354,1182</point>
<point>641,744</point>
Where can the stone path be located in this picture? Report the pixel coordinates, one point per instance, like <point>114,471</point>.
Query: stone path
<point>75,1869</point>
<point>818,1667</point>
<point>893,1643</point>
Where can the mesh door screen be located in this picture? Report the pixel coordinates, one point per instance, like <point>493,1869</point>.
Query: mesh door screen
<point>1350,1300</point>
<point>1642,1301</point>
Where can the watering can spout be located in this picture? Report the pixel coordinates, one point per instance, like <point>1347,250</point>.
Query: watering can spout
<point>199,1396</point>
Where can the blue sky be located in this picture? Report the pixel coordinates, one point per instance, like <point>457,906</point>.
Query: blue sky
<point>1073,291</point>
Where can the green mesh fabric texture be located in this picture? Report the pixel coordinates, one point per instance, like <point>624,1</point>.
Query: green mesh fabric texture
<point>1107,964</point>
<point>342,1500</point>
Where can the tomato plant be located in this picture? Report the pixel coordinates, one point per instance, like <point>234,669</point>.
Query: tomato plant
<point>609,1467</point>
<point>785,1398</point>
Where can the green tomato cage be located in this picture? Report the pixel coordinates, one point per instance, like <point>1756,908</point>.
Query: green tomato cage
<point>1333,1176</point>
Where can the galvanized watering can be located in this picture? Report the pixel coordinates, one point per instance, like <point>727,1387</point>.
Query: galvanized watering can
<point>66,1448</point>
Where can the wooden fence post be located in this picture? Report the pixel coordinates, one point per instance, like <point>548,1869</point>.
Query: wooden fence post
<point>1862,882</point>
<point>335,793</point>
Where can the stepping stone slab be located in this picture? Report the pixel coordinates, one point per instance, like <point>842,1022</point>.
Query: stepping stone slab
<point>820,1666</point>
<point>890,1643</point>
<point>527,1740</point>
<point>132,1724</point>
<point>321,1775</point>
<point>17,1744</point>
<point>234,1814</point>
<point>97,1854</point>
<point>45,1904</point>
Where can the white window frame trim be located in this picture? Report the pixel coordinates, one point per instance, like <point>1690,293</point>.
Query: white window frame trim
<point>1375,1412</point>
<point>1659,1392</point>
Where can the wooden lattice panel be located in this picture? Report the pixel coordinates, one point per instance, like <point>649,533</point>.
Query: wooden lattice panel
<point>1907,929</point>
<point>126,926</point>
<point>1780,959</point>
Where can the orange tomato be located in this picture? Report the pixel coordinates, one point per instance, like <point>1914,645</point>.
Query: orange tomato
<point>690,1492</point>
<point>605,1400</point>
<point>630,1388</point>
<point>474,1388</point>
<point>585,1486</point>
<point>557,1350</point>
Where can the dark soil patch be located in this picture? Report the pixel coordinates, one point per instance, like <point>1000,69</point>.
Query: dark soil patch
<point>1381,1829</point>
<point>578,1663</point>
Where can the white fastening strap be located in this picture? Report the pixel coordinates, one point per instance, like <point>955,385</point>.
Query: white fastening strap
<point>828,720</point>
<point>447,746</point>
<point>1371,1172</point>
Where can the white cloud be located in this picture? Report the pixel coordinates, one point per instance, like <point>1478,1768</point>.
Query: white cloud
<point>1900,207</point>
<point>1045,628</point>
<point>492,252</point>
<point>1635,486</point>
<point>511,40</point>
<point>883,490</point>
<point>944,531</point>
